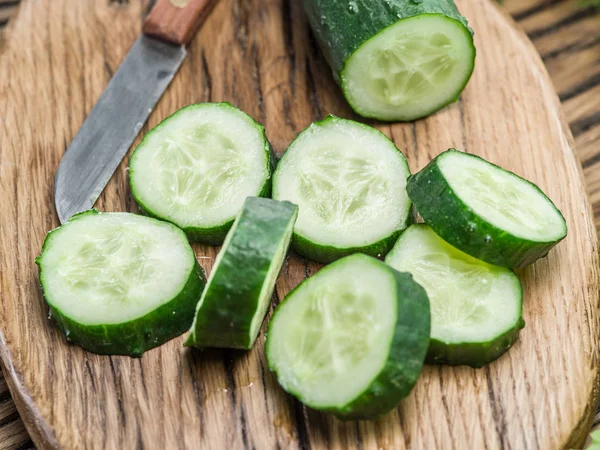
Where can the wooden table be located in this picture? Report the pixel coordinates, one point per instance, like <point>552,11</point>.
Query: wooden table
<point>566,34</point>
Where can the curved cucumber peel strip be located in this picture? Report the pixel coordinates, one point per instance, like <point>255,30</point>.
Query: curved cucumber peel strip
<point>118,283</point>
<point>486,211</point>
<point>349,181</point>
<point>398,59</point>
<point>351,340</point>
<point>476,308</point>
<point>196,168</point>
<point>240,286</point>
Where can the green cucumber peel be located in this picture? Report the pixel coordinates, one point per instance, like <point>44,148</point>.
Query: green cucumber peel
<point>240,286</point>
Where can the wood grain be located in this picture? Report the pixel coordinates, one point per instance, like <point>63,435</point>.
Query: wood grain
<point>259,55</point>
<point>14,435</point>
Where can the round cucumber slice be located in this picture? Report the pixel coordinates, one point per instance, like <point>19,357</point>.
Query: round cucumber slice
<point>351,340</point>
<point>240,286</point>
<point>476,308</point>
<point>196,168</point>
<point>349,181</point>
<point>486,211</point>
<point>410,69</point>
<point>118,283</point>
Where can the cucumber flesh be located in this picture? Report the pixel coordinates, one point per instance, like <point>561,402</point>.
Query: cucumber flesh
<point>395,59</point>
<point>239,289</point>
<point>486,211</point>
<point>410,69</point>
<point>502,198</point>
<point>476,308</point>
<point>196,168</point>
<point>349,182</point>
<point>351,339</point>
<point>118,283</point>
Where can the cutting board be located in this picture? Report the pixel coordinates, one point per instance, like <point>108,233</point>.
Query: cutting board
<point>56,58</point>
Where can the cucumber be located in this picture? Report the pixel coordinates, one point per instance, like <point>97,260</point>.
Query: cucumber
<point>240,286</point>
<point>349,182</point>
<point>486,211</point>
<point>196,168</point>
<point>351,340</point>
<point>395,59</point>
<point>476,308</point>
<point>119,283</point>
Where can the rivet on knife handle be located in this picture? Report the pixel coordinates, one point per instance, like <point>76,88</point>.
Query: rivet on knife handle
<point>176,21</point>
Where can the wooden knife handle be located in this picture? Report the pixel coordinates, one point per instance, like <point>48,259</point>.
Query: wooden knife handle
<point>177,21</point>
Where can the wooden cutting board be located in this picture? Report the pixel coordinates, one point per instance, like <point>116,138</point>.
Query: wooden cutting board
<point>57,57</point>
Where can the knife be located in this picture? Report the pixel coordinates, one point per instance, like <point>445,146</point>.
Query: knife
<point>116,119</point>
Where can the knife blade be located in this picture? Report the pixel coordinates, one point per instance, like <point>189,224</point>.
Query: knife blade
<point>130,96</point>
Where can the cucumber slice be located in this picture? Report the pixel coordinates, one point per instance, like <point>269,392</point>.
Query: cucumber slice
<point>349,182</point>
<point>196,168</point>
<point>351,340</point>
<point>475,307</point>
<point>239,289</point>
<point>395,59</point>
<point>118,283</point>
<point>486,211</point>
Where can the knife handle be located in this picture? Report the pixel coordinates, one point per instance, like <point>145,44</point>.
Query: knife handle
<point>176,21</point>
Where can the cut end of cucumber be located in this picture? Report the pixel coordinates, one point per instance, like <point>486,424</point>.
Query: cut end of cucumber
<point>471,301</point>
<point>111,268</point>
<point>410,69</point>
<point>333,336</point>
<point>198,166</point>
<point>502,198</point>
<point>349,182</point>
